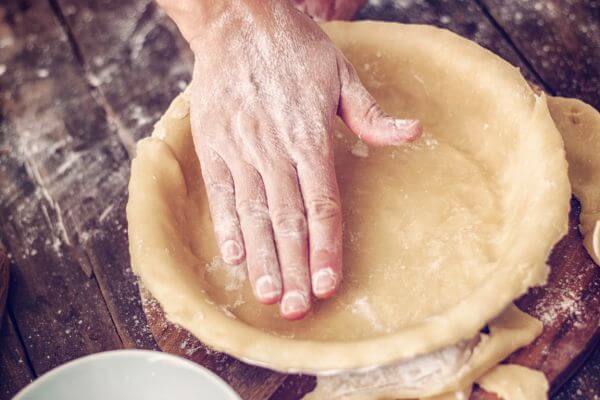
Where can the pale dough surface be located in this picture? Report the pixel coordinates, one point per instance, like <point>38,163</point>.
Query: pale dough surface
<point>579,125</point>
<point>440,236</point>
<point>514,382</point>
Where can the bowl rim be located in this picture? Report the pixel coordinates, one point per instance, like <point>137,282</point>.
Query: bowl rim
<point>151,355</point>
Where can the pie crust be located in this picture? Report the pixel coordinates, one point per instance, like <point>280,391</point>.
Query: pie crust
<point>440,236</point>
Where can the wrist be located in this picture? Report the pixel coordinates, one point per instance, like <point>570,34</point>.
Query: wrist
<point>188,15</point>
<point>198,18</point>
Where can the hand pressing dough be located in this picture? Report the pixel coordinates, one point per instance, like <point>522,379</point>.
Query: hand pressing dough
<point>579,125</point>
<point>515,382</point>
<point>440,236</point>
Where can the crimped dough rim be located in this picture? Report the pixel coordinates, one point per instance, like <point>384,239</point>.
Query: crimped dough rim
<point>517,270</point>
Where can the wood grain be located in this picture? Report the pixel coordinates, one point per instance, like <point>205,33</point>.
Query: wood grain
<point>561,40</point>
<point>134,55</point>
<point>57,307</point>
<point>15,371</point>
<point>464,17</point>
<point>4,280</point>
<point>586,384</point>
<point>67,166</point>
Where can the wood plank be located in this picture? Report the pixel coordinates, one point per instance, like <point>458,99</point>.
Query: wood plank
<point>586,384</point>
<point>58,309</point>
<point>135,56</point>
<point>15,371</point>
<point>294,387</point>
<point>464,17</point>
<point>3,281</point>
<point>68,162</point>
<point>60,158</point>
<point>561,39</point>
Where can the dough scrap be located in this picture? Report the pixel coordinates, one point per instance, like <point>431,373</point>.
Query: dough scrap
<point>515,382</point>
<point>579,125</point>
<point>438,372</point>
<point>495,184</point>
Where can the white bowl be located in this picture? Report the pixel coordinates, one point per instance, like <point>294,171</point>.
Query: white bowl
<point>129,375</point>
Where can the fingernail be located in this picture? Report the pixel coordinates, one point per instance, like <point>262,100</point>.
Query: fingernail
<point>410,128</point>
<point>267,289</point>
<point>294,302</point>
<point>403,123</point>
<point>323,281</point>
<point>232,251</point>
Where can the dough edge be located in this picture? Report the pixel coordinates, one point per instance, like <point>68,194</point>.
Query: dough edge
<point>515,382</point>
<point>579,125</point>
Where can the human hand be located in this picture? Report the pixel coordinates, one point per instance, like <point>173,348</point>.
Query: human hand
<point>266,88</point>
<point>326,10</point>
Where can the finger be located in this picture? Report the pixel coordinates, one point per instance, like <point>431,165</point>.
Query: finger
<point>320,10</point>
<point>221,200</point>
<point>263,268</point>
<point>361,113</point>
<point>289,226</point>
<point>345,9</point>
<point>322,203</point>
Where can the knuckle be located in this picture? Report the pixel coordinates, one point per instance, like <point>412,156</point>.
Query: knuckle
<point>266,164</point>
<point>373,112</point>
<point>216,188</point>
<point>253,209</point>
<point>324,208</point>
<point>314,149</point>
<point>289,222</point>
<point>225,224</point>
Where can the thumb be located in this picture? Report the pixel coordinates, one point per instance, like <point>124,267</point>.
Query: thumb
<point>361,113</point>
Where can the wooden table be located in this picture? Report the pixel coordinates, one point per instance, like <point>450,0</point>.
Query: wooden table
<point>81,81</point>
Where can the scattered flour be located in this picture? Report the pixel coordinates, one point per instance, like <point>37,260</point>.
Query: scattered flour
<point>362,307</point>
<point>360,149</point>
<point>425,371</point>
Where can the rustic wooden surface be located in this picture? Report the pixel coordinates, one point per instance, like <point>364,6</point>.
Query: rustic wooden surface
<point>3,281</point>
<point>561,40</point>
<point>81,81</point>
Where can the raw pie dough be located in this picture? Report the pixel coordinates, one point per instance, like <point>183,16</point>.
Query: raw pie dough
<point>514,382</point>
<point>579,125</point>
<point>440,236</point>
